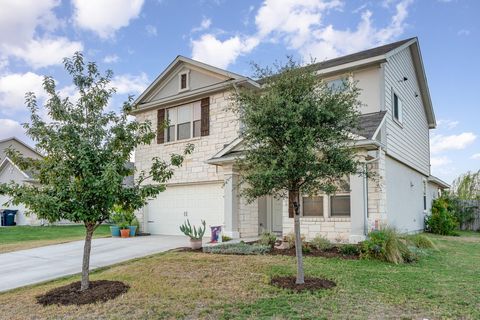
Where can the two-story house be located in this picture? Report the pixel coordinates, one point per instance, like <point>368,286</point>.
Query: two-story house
<point>393,141</point>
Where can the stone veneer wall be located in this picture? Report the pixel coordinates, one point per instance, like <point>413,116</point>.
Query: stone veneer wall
<point>224,128</point>
<point>248,218</point>
<point>377,195</point>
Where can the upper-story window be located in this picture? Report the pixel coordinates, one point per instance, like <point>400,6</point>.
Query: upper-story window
<point>184,122</point>
<point>397,108</point>
<point>183,81</point>
<point>337,85</point>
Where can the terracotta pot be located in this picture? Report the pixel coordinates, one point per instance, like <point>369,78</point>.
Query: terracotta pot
<point>125,233</point>
<point>195,244</point>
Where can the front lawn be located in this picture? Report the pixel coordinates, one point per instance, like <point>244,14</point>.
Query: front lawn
<point>26,237</point>
<point>444,284</point>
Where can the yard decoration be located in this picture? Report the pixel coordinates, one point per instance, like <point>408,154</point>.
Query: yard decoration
<point>196,235</point>
<point>86,149</point>
<point>297,137</point>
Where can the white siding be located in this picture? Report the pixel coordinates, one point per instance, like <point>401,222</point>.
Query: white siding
<point>404,197</point>
<point>409,142</point>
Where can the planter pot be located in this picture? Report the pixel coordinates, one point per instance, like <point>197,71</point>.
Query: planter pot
<point>125,233</point>
<point>195,244</point>
<point>115,231</point>
<point>133,230</point>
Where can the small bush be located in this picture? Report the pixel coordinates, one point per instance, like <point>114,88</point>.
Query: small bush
<point>268,239</point>
<point>241,248</point>
<point>442,221</point>
<point>226,238</point>
<point>321,243</point>
<point>421,241</point>
<point>290,239</point>
<point>387,245</point>
<point>349,249</point>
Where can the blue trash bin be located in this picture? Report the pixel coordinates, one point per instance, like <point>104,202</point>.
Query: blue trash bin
<point>9,217</point>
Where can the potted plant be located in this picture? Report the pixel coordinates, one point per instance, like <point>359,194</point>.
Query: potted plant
<point>129,217</point>
<point>115,229</point>
<point>124,229</point>
<point>195,234</point>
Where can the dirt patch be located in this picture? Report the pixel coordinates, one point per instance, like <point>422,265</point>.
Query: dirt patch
<point>311,284</point>
<point>333,252</point>
<point>99,291</point>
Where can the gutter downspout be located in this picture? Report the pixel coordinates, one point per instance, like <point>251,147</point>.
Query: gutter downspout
<point>365,194</point>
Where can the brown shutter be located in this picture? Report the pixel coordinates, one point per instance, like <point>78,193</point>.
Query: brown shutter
<point>161,126</point>
<point>205,117</point>
<point>291,200</point>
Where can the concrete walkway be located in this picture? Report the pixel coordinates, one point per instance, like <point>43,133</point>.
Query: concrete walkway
<point>25,267</point>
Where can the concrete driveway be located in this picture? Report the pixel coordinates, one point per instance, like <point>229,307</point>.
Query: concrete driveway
<point>25,267</point>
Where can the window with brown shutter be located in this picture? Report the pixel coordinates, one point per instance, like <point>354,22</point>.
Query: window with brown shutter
<point>205,117</point>
<point>161,126</point>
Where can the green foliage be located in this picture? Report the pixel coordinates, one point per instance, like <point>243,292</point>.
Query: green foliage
<point>349,249</point>
<point>321,243</point>
<point>297,132</point>
<point>467,186</point>
<point>290,239</point>
<point>193,232</point>
<point>123,225</point>
<point>268,239</point>
<point>226,238</point>
<point>241,248</point>
<point>421,241</point>
<point>442,220</point>
<point>85,148</point>
<point>387,245</point>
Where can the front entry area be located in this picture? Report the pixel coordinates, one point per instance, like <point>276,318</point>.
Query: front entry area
<point>270,215</point>
<point>195,202</point>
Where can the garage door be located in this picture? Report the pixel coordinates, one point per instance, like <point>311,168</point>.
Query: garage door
<point>171,208</point>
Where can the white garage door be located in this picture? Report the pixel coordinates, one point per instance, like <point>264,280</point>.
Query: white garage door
<point>172,207</point>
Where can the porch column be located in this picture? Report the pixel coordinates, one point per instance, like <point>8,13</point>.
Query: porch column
<point>231,200</point>
<point>357,208</point>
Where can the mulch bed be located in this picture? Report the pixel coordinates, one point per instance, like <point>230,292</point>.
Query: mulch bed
<point>333,252</point>
<point>99,291</point>
<point>311,284</point>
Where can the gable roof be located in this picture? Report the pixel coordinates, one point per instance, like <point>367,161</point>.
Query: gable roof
<point>22,143</point>
<point>27,175</point>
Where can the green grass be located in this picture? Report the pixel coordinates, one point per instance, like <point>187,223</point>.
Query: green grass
<point>23,237</point>
<point>177,285</point>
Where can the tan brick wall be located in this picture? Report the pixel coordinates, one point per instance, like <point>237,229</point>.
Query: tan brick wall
<point>248,218</point>
<point>377,195</point>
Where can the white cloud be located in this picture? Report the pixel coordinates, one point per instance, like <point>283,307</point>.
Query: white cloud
<point>205,24</point>
<point>111,58</point>
<point>151,30</point>
<point>13,88</point>
<point>299,24</point>
<point>475,156</point>
<point>439,161</point>
<point>463,32</point>
<point>130,84</point>
<point>447,123</point>
<point>440,143</point>
<point>11,128</point>
<point>220,53</point>
<point>25,33</point>
<point>105,17</point>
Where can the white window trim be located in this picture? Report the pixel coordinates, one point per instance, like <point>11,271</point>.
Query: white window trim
<point>424,195</point>
<point>191,105</point>
<point>187,73</point>
<point>327,207</point>
<point>398,121</point>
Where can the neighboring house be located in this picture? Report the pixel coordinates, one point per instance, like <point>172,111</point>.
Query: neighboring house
<point>393,140</point>
<point>11,172</point>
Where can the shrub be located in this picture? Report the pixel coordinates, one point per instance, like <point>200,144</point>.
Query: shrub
<point>226,238</point>
<point>421,241</point>
<point>349,249</point>
<point>386,245</point>
<point>268,239</point>
<point>241,248</point>
<point>321,243</point>
<point>290,239</point>
<point>441,221</point>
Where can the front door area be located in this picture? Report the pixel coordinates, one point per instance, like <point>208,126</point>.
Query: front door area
<point>270,215</point>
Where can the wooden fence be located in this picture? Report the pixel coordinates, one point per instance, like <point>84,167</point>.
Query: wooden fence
<point>475,205</point>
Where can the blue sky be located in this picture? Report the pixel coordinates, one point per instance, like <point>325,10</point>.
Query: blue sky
<point>138,39</point>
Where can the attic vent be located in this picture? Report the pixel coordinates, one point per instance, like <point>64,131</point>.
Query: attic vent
<point>183,81</point>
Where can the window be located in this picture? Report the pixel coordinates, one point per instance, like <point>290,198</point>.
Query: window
<point>397,108</point>
<point>313,206</point>
<point>424,195</point>
<point>183,122</point>
<point>336,85</point>
<point>183,79</point>
<point>340,206</point>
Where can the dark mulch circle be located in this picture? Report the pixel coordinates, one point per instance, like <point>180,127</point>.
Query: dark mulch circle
<point>311,284</point>
<point>99,291</point>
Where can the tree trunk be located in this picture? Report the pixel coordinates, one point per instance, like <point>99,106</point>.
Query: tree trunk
<point>298,239</point>
<point>86,257</point>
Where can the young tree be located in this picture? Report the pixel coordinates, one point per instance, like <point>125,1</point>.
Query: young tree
<point>467,186</point>
<point>296,136</point>
<point>86,148</point>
